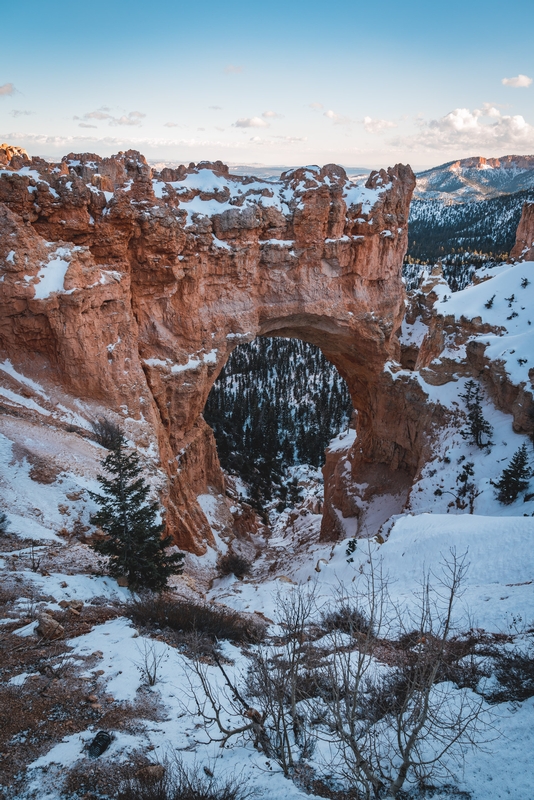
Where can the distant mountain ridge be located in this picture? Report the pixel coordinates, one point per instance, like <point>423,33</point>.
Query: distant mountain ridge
<point>475,178</point>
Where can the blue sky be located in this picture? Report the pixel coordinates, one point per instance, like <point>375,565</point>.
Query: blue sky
<point>277,83</point>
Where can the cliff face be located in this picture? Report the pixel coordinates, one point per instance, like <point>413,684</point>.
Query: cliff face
<point>131,289</point>
<point>524,240</point>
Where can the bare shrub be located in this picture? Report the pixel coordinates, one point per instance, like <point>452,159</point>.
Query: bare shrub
<point>234,564</point>
<point>106,432</point>
<point>265,708</point>
<point>213,621</point>
<point>178,782</point>
<point>397,729</point>
<point>515,673</point>
<point>347,619</point>
<point>150,661</point>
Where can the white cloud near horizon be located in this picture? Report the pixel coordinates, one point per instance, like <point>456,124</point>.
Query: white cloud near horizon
<point>272,115</point>
<point>102,114</point>
<point>519,82</point>
<point>481,129</point>
<point>337,119</point>
<point>377,125</point>
<point>194,148</point>
<point>133,118</point>
<point>251,122</point>
<point>7,89</point>
<point>18,113</point>
<point>277,140</point>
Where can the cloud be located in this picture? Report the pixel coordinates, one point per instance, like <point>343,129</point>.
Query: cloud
<point>97,115</point>
<point>7,90</point>
<point>233,69</point>
<point>133,118</point>
<point>17,113</point>
<point>196,145</point>
<point>316,106</point>
<point>292,138</point>
<point>272,115</point>
<point>482,129</point>
<point>172,125</point>
<point>337,119</point>
<point>276,141</point>
<point>101,114</point>
<point>251,122</point>
<point>216,108</point>
<point>377,125</point>
<point>519,82</point>
<point>86,125</point>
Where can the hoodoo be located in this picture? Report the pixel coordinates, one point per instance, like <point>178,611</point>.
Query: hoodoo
<point>130,288</point>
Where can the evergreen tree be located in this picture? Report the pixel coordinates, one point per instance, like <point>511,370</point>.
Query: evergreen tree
<point>515,477</point>
<point>478,428</point>
<point>133,537</point>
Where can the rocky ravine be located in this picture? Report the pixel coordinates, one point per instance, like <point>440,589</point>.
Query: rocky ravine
<point>128,289</point>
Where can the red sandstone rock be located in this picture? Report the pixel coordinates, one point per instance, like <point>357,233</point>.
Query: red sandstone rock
<point>523,248</point>
<point>165,274</point>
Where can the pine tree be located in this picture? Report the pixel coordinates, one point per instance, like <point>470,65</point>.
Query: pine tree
<point>515,477</point>
<point>477,428</point>
<point>133,537</point>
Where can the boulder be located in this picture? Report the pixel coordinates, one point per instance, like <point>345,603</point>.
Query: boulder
<point>48,627</point>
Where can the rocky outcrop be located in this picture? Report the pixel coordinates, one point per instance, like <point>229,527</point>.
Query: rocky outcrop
<point>524,239</point>
<point>131,288</point>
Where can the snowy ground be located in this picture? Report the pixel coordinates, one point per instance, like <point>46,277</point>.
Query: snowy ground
<point>498,598</point>
<point>111,653</point>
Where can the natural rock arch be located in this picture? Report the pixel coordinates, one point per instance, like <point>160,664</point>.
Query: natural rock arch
<point>165,273</point>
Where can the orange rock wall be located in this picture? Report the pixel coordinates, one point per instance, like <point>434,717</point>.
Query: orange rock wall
<point>133,288</point>
<point>524,239</point>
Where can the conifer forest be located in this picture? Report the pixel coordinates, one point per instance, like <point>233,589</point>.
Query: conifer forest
<point>277,403</point>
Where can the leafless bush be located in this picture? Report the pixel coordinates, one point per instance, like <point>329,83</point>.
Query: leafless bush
<point>174,781</point>
<point>265,708</point>
<point>150,661</point>
<point>279,678</point>
<point>106,432</point>
<point>213,621</point>
<point>347,619</point>
<point>397,729</point>
<point>35,560</point>
<point>515,673</point>
<point>234,564</point>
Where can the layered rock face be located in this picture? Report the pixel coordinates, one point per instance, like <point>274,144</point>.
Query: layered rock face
<point>131,288</point>
<point>524,240</point>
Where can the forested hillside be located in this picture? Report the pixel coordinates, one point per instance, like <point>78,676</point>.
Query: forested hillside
<point>277,403</point>
<point>484,227</point>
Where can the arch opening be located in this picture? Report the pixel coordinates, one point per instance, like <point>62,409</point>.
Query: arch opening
<point>274,408</point>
